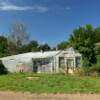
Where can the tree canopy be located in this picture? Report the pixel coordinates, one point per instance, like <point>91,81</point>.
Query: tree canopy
<point>63,45</point>
<point>85,40</point>
<point>44,47</point>
<point>33,45</point>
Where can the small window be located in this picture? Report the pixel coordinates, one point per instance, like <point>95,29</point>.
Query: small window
<point>11,59</point>
<point>61,62</point>
<point>43,61</point>
<point>78,62</point>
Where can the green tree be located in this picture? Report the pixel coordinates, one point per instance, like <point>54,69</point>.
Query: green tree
<point>63,45</point>
<point>82,39</point>
<point>97,35</point>
<point>44,47</point>
<point>97,48</point>
<point>32,46</point>
<point>3,46</point>
<point>97,41</point>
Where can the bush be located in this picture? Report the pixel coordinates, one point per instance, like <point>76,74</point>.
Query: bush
<point>98,59</point>
<point>86,62</point>
<point>88,69</point>
<point>84,71</point>
<point>95,69</point>
<point>3,70</point>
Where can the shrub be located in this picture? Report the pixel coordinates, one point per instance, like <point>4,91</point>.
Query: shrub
<point>98,59</point>
<point>86,62</point>
<point>95,69</point>
<point>3,70</point>
<point>84,71</point>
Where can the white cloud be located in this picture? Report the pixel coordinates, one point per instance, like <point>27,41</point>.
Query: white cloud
<point>7,6</point>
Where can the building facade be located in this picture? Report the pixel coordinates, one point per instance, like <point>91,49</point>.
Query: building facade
<point>44,62</point>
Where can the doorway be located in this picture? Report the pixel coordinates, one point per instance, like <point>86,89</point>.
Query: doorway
<point>70,66</point>
<point>35,66</point>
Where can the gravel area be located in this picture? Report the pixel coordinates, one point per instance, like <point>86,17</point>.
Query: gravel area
<point>29,96</point>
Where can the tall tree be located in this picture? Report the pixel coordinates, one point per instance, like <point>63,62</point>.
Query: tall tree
<point>83,40</point>
<point>17,37</point>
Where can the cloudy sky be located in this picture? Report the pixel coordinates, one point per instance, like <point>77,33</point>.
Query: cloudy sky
<point>49,21</point>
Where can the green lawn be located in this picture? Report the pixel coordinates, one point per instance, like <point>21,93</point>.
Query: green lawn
<point>46,83</point>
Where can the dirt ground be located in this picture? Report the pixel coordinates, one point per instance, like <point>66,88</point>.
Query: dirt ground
<point>29,96</point>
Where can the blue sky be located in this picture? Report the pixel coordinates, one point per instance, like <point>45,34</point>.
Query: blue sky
<point>49,21</point>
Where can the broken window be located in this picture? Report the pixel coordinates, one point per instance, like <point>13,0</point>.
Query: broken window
<point>61,62</point>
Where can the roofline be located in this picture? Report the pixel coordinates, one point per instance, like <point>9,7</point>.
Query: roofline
<point>30,52</point>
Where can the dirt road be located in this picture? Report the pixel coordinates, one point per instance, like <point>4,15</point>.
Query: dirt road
<point>29,96</point>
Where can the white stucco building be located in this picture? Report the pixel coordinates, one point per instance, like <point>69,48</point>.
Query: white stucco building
<point>49,62</point>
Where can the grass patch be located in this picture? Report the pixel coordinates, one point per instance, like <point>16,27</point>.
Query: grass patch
<point>48,83</point>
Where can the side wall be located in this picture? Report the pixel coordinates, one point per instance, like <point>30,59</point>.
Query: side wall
<point>13,64</point>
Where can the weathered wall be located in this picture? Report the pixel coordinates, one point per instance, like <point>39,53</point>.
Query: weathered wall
<point>16,65</point>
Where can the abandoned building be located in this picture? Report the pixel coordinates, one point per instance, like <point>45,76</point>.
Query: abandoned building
<point>46,62</point>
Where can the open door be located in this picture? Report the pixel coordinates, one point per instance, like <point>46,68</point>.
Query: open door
<point>70,66</point>
<point>35,66</point>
